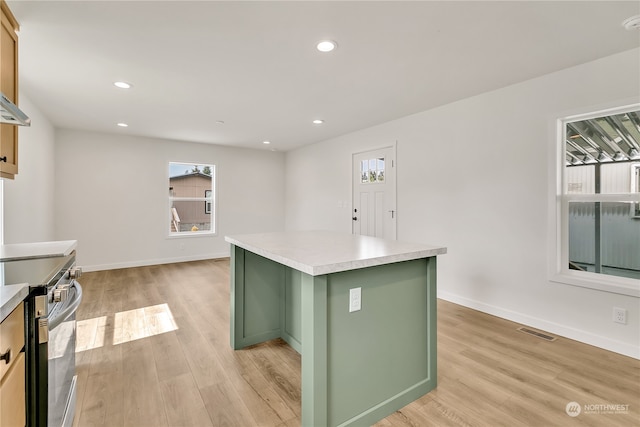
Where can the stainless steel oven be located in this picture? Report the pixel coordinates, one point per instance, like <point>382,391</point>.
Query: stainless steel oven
<point>54,296</point>
<point>63,299</point>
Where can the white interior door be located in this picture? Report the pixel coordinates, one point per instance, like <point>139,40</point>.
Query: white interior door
<point>374,193</point>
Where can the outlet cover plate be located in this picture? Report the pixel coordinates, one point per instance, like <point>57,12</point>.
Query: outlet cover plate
<point>620,315</point>
<point>355,299</point>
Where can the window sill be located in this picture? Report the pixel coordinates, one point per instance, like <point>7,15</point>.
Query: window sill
<point>191,234</point>
<point>600,282</point>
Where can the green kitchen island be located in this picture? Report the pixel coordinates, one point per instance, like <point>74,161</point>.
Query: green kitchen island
<point>358,366</point>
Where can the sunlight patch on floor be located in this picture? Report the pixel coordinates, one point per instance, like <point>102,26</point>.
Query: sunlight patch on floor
<point>90,333</point>
<point>142,323</point>
<point>128,326</point>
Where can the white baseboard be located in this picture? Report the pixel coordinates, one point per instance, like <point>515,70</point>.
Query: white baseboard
<point>555,328</point>
<point>147,262</point>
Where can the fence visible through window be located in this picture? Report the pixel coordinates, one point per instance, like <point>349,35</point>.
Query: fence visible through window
<point>601,180</point>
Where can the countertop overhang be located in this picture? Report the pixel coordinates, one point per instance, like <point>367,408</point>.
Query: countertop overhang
<point>19,251</point>
<point>10,297</point>
<point>324,252</point>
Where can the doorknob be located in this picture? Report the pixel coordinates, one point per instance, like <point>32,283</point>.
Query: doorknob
<point>355,218</point>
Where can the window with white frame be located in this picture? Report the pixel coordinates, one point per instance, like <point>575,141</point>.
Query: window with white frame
<point>598,224</point>
<point>191,198</point>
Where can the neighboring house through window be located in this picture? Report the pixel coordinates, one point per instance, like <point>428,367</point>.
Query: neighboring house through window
<point>207,203</point>
<point>191,187</point>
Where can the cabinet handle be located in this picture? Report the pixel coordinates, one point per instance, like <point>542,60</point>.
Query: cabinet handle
<point>3,159</point>
<point>6,356</point>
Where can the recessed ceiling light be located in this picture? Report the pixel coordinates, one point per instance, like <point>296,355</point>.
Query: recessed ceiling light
<point>326,45</point>
<point>318,122</point>
<point>122,85</point>
<point>123,125</point>
<point>220,122</point>
<point>266,142</point>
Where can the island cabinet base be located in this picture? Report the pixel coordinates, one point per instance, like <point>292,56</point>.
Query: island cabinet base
<point>357,367</point>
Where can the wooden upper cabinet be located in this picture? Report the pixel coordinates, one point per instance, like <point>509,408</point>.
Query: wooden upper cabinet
<point>8,86</point>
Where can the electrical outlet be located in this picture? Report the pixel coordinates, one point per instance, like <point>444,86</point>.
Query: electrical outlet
<point>620,315</point>
<point>355,299</point>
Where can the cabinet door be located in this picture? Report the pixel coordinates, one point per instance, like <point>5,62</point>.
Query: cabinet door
<point>12,396</point>
<point>8,86</point>
<point>11,338</point>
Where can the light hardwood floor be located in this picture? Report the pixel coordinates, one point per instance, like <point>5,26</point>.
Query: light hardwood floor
<point>172,364</point>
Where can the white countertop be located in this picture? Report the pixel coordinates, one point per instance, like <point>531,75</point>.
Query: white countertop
<point>10,297</point>
<point>324,252</point>
<point>19,251</point>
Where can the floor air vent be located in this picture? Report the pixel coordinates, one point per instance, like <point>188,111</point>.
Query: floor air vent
<point>538,334</point>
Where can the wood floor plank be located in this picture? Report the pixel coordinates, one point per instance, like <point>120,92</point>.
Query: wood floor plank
<point>283,378</point>
<point>267,406</point>
<point>295,422</point>
<point>107,358</point>
<point>143,403</point>
<point>168,355</point>
<point>457,401</point>
<point>183,403</point>
<point>437,415</point>
<point>82,371</point>
<point>202,361</point>
<point>226,407</point>
<point>257,391</point>
<point>489,374</point>
<point>103,401</point>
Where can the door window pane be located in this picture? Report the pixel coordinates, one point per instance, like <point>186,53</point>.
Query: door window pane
<point>364,171</point>
<point>380,169</point>
<point>372,170</point>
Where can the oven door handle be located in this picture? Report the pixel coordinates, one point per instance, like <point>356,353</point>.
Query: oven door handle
<point>71,308</point>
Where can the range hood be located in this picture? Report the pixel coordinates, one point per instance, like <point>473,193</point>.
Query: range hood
<point>11,114</point>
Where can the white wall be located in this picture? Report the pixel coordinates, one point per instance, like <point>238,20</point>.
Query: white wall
<point>112,197</point>
<point>29,198</point>
<point>473,176</point>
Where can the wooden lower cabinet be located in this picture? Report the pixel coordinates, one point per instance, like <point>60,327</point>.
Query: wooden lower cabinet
<point>12,395</point>
<point>12,372</point>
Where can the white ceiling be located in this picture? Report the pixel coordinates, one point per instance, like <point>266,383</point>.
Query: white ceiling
<point>254,65</point>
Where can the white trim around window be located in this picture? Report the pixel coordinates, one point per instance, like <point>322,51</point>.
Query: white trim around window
<point>559,213</point>
<point>195,211</point>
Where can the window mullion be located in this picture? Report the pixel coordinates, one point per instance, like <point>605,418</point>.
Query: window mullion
<point>597,221</point>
